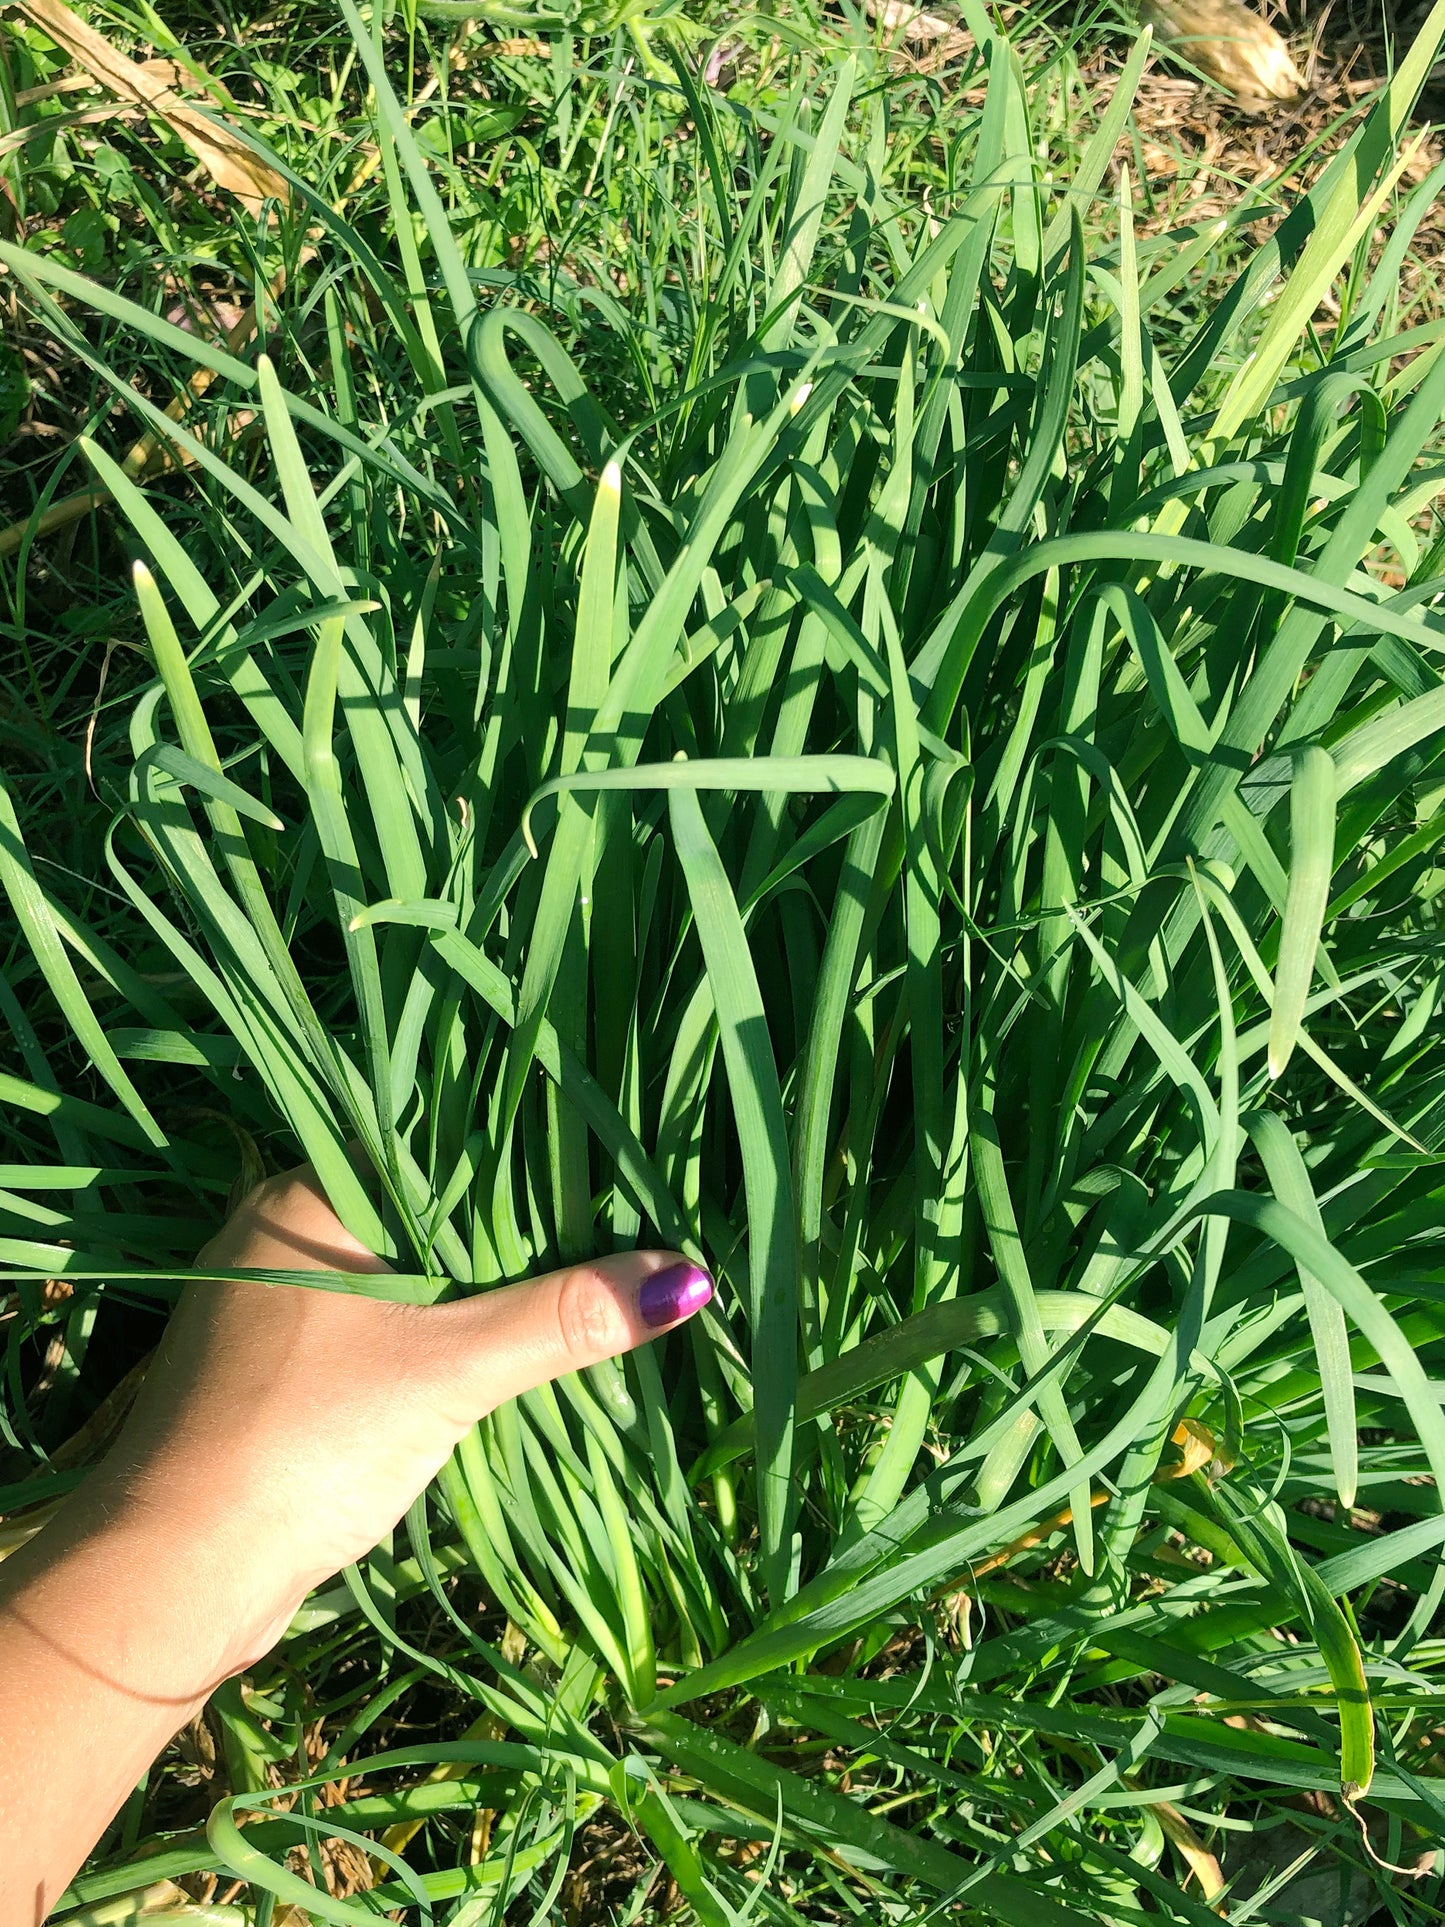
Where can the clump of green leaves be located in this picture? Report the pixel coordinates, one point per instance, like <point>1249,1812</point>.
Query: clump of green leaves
<point>933,813</point>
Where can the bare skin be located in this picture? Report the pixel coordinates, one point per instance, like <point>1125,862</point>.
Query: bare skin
<point>279,1435</point>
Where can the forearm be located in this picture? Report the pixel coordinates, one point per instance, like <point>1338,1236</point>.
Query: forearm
<point>174,1566</point>
<point>114,1629</point>
<point>279,1434</point>
<point>118,1621</point>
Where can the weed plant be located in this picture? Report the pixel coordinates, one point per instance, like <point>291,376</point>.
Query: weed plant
<point>811,740</point>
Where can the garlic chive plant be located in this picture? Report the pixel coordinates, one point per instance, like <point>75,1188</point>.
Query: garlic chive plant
<point>869,749</point>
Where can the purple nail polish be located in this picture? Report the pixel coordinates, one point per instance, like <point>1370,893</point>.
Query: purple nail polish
<point>676,1292</point>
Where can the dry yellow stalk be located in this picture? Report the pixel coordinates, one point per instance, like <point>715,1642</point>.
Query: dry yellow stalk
<point>909,22</point>
<point>1196,1856</point>
<point>1198,1448</point>
<point>169,73</point>
<point>229,162</point>
<point>1229,44</point>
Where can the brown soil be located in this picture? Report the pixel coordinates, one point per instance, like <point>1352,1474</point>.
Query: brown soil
<point>1198,150</point>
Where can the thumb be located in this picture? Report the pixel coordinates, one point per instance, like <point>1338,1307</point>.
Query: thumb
<point>519,1337</point>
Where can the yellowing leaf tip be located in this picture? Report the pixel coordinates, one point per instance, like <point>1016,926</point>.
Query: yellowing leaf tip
<point>612,478</point>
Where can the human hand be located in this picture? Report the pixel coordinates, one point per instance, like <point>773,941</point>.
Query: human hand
<point>284,1430</point>
<point>281,1431</point>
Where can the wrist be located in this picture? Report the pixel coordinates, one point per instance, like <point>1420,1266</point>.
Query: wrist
<point>141,1592</point>
<point>114,1631</point>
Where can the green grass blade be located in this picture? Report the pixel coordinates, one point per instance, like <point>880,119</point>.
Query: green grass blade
<point>1312,859</point>
<point>1290,1181</point>
<point>762,1136</point>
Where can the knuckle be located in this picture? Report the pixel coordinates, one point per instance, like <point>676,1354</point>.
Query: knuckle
<point>588,1316</point>
<point>274,1198</point>
<point>268,1193</point>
